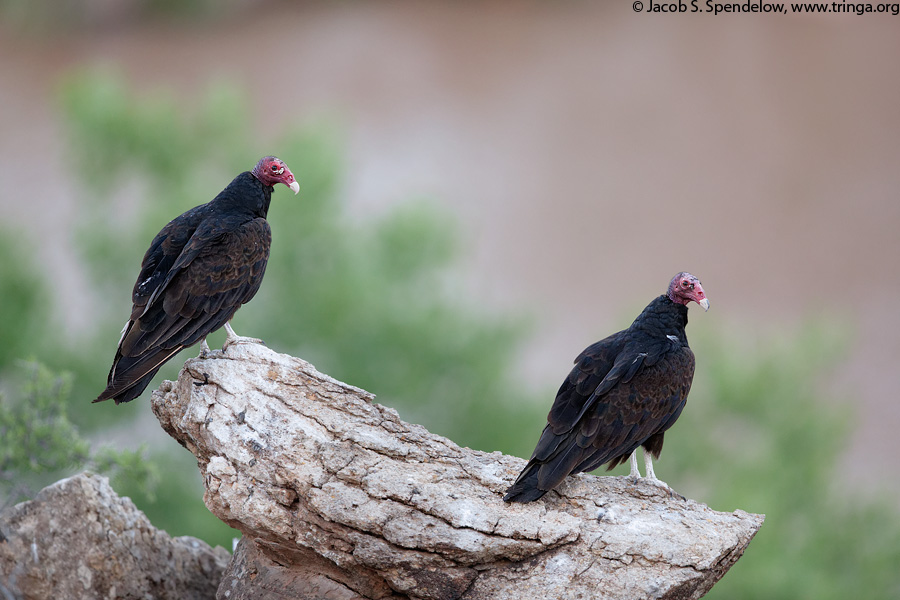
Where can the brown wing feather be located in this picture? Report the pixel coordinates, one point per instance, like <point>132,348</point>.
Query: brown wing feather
<point>217,271</point>
<point>617,421</point>
<point>624,391</point>
<point>646,406</point>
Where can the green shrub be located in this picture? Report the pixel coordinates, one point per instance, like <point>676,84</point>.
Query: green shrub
<point>38,443</point>
<point>371,303</point>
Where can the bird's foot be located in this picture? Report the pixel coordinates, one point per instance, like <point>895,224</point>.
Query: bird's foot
<point>232,338</point>
<point>634,476</point>
<point>239,339</point>
<point>664,486</point>
<point>204,349</point>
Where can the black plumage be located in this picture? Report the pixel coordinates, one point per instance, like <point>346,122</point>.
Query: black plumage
<point>625,391</point>
<point>198,271</point>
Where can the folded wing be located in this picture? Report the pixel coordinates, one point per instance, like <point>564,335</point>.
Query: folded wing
<point>194,276</point>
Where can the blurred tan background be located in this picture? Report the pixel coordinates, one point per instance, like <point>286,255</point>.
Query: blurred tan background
<point>588,151</point>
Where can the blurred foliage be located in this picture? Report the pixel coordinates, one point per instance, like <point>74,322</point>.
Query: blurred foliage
<point>41,16</point>
<point>25,300</point>
<point>763,432</point>
<point>371,303</point>
<point>38,443</point>
<point>367,302</point>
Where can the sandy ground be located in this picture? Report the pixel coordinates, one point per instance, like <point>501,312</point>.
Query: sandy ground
<point>588,151</point>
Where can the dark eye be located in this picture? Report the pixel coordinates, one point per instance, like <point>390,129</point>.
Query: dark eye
<point>684,284</point>
<point>274,168</point>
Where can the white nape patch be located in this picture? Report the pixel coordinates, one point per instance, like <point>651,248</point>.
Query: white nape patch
<point>673,338</point>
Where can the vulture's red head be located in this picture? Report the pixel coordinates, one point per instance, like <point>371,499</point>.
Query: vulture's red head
<point>686,288</point>
<point>270,170</point>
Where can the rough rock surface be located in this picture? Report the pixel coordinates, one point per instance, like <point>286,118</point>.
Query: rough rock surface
<point>78,539</point>
<point>339,498</point>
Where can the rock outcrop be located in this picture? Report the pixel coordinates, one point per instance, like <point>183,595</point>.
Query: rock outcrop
<point>78,540</point>
<point>339,498</point>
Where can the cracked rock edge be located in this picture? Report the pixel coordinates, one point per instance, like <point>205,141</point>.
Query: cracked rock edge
<point>305,465</point>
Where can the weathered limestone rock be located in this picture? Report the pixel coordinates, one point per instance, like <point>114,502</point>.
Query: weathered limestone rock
<point>78,539</point>
<point>253,576</point>
<point>339,498</point>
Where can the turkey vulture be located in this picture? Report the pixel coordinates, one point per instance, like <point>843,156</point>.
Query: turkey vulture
<point>625,391</point>
<point>197,272</point>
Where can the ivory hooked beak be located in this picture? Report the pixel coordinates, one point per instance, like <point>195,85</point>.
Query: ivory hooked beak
<point>704,303</point>
<point>295,187</point>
